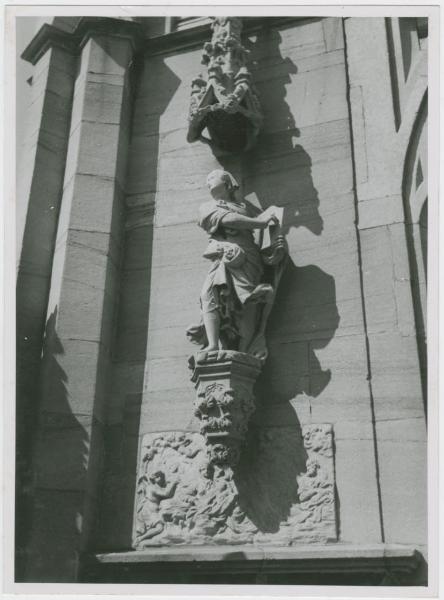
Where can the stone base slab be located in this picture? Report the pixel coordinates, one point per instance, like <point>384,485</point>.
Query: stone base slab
<point>338,564</point>
<point>406,556</point>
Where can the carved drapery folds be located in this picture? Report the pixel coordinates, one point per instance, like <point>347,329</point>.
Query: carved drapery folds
<point>226,104</point>
<point>182,498</point>
<point>236,300</point>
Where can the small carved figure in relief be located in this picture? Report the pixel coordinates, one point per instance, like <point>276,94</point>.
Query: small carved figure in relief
<point>149,517</point>
<point>315,492</point>
<point>239,523</point>
<point>216,499</point>
<point>234,286</point>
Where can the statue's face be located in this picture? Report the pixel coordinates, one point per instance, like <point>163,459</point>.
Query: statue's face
<point>312,468</point>
<point>158,478</point>
<point>206,470</point>
<point>218,187</point>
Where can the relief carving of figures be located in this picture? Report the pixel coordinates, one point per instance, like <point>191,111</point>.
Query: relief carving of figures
<point>235,298</point>
<point>182,498</point>
<point>226,103</point>
<point>315,510</point>
<point>189,499</point>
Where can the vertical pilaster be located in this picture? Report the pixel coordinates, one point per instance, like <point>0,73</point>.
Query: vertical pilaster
<point>79,328</point>
<point>39,187</point>
<point>394,370</point>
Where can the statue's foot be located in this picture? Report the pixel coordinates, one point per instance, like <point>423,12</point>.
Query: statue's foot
<point>210,349</point>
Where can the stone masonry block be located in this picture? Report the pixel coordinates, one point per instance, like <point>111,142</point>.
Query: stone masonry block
<point>97,205</point>
<point>98,149</point>
<point>357,491</point>
<point>380,211</point>
<point>170,374</point>
<point>333,34</point>
<point>403,470</point>
<point>169,409</point>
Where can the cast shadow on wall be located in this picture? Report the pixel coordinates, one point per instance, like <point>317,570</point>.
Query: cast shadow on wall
<point>305,315</point>
<point>56,503</point>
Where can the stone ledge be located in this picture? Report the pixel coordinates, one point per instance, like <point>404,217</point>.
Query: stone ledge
<point>304,559</point>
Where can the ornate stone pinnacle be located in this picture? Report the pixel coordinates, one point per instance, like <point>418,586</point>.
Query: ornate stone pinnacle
<point>226,103</point>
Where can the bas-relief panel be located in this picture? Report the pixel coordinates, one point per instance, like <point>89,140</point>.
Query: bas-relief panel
<point>281,492</point>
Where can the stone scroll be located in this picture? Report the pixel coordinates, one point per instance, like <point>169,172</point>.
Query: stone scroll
<point>272,496</point>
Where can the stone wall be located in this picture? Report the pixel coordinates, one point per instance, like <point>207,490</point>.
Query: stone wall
<point>122,267</point>
<point>317,369</point>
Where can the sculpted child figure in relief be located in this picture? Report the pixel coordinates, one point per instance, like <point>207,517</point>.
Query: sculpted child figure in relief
<point>233,287</point>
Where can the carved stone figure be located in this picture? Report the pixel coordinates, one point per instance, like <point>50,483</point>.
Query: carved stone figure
<point>215,501</point>
<point>184,498</point>
<point>238,523</point>
<point>235,299</point>
<point>227,104</point>
<point>153,490</point>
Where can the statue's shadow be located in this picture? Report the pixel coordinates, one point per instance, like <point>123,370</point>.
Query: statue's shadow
<point>304,317</point>
<point>303,320</point>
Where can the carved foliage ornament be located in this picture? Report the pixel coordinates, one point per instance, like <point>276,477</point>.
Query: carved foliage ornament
<point>226,104</point>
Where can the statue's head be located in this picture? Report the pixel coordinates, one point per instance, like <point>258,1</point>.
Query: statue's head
<point>222,185</point>
<point>312,467</point>
<point>206,469</point>
<point>158,477</point>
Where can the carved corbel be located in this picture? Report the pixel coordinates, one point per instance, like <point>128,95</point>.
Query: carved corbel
<point>224,401</point>
<point>226,104</point>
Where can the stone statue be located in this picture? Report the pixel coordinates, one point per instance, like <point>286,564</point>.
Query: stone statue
<point>234,287</point>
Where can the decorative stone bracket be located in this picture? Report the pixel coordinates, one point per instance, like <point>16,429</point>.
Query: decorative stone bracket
<point>226,104</point>
<point>224,402</point>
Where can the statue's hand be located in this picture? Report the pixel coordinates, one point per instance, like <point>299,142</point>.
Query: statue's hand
<point>268,217</point>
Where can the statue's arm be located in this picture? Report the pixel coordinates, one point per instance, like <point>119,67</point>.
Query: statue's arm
<point>236,221</point>
<point>168,491</point>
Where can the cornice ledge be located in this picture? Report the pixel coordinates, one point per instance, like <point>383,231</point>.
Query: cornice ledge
<point>338,557</point>
<point>49,36</point>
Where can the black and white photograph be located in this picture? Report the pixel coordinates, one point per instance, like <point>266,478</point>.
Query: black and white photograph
<point>225,260</point>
